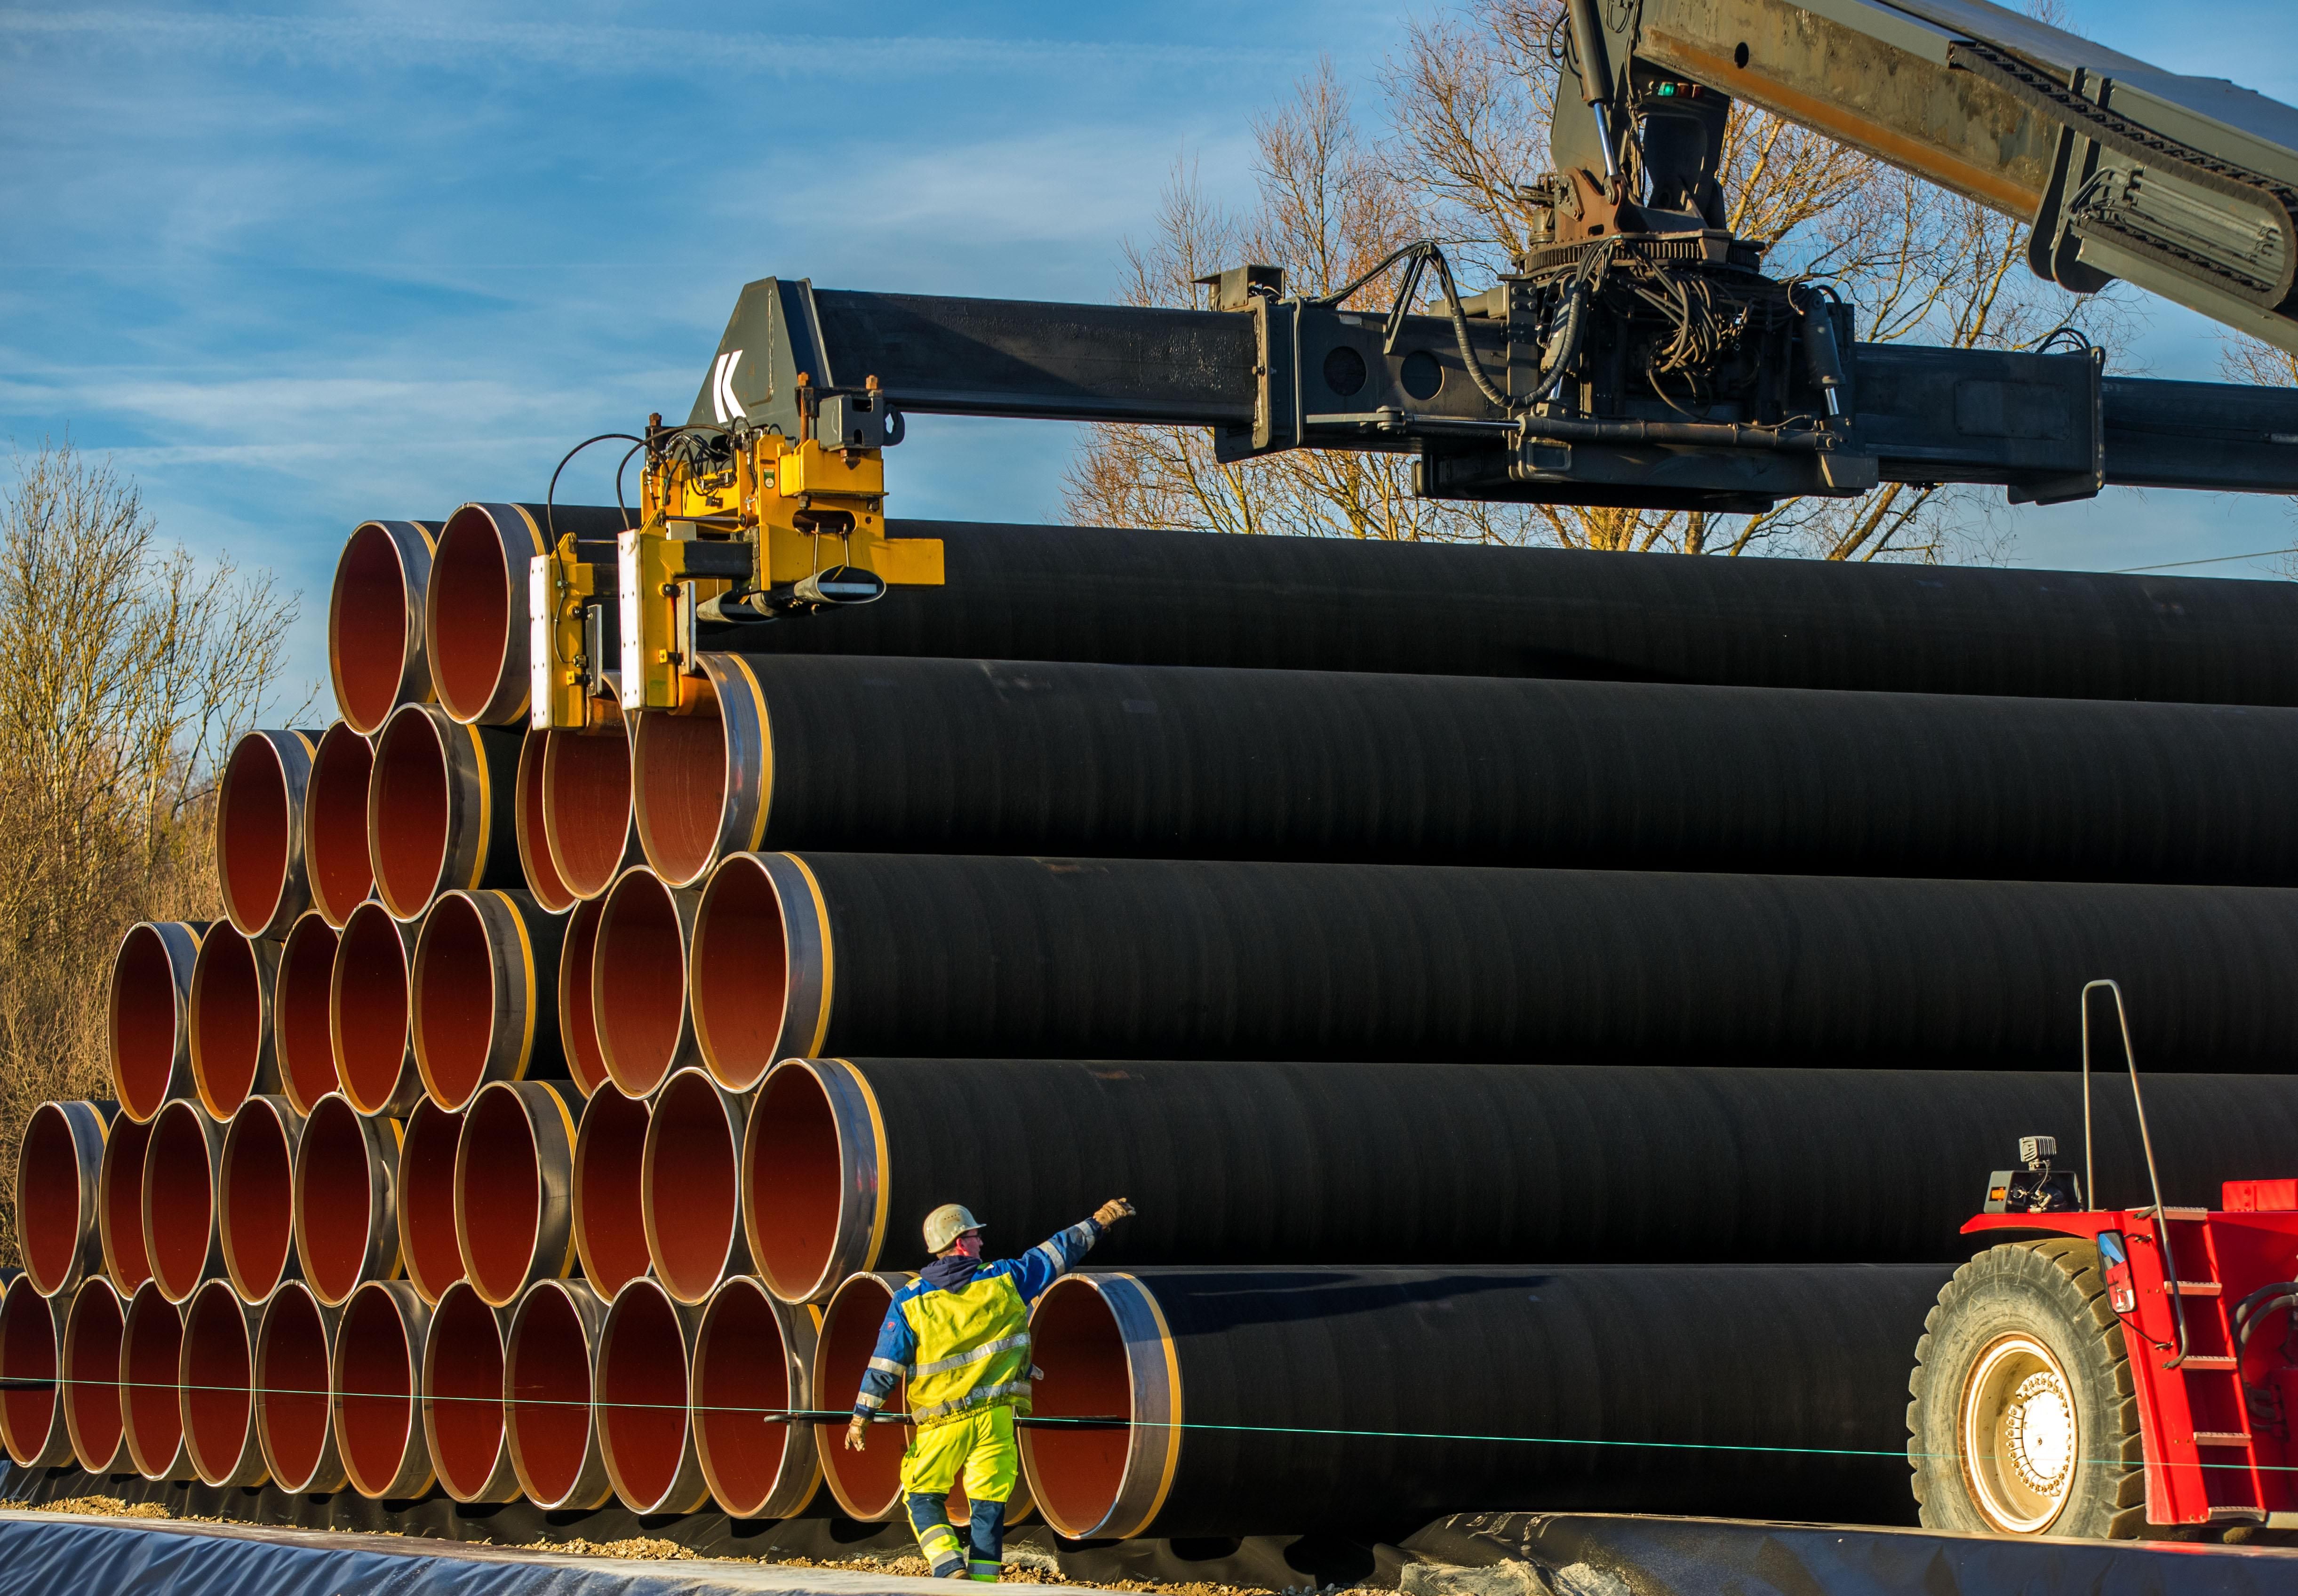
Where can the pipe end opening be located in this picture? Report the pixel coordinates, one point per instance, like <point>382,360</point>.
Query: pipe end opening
<point>741,972</point>
<point>469,617</point>
<point>371,627</point>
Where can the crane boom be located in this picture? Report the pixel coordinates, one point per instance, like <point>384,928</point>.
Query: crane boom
<point>2185,186</point>
<point>1637,355</point>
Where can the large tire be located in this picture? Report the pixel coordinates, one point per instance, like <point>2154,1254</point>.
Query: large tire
<point>2025,1419</point>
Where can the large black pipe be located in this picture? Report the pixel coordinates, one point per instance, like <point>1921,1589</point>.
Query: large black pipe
<point>1268,1163</point>
<point>823,954</point>
<point>1359,1399</point>
<point>989,757</point>
<point>1343,604</point>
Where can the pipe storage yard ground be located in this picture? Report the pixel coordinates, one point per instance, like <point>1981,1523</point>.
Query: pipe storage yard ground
<point>1553,1012</point>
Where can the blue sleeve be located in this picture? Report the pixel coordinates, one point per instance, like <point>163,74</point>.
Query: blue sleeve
<point>1051,1258</point>
<point>897,1345</point>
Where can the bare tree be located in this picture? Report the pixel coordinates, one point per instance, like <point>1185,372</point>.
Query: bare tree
<point>131,669</point>
<point>1468,96</point>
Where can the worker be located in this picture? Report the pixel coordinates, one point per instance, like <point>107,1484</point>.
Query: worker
<point>960,1335</point>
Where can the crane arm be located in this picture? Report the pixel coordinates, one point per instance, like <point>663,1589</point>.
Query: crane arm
<point>2185,186</point>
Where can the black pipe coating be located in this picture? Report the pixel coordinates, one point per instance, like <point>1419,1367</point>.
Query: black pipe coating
<point>1189,598</point>
<point>1691,1362</point>
<point>899,955</point>
<point>952,756</point>
<point>1285,1163</point>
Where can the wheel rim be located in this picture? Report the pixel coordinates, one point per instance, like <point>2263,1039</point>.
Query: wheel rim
<point>2021,1438</point>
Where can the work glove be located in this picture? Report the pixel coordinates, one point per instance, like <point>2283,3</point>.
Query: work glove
<point>1110,1211</point>
<point>857,1433</point>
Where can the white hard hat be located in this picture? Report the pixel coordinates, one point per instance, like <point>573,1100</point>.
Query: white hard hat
<point>946,1224</point>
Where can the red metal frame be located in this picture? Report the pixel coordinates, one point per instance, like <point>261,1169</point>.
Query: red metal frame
<point>2218,1431</point>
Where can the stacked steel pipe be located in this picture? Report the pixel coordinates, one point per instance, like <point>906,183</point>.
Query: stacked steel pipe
<point>1553,1011</point>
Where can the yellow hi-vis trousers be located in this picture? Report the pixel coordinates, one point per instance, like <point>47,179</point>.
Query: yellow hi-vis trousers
<point>981,1447</point>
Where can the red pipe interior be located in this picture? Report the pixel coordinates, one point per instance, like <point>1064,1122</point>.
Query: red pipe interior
<point>143,1003</point>
<point>1077,1342</point>
<point>299,1005</point>
<point>741,1374</point>
<point>48,1193</point>
<point>578,1027</point>
<point>367,626</point>
<point>91,1367</point>
<point>502,1194</point>
<point>409,811</point>
<point>227,1017</point>
<point>368,1007</point>
<point>609,1160</point>
<point>336,855</point>
<point>255,825</point>
<point>640,972</point>
<point>219,1376</point>
<point>27,1351</point>
<point>150,1345</point>
<point>586,805</point>
<point>180,1188</point>
<point>642,1393</point>
<point>258,1197</point>
<point>679,779</point>
<point>795,1187</point>
<point>333,1195</point>
<point>469,612</point>
<point>741,972</point>
<point>292,1369</point>
<point>376,1391</point>
<point>463,1361</point>
<point>872,1480</point>
<point>455,999</point>
<point>375,1413</point>
<point>547,1406</point>
<point>127,1257</point>
<point>426,1198</point>
<point>543,877</point>
<point>694,1194</point>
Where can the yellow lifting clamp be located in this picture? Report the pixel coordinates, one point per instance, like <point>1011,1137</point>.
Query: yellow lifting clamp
<point>768,529</point>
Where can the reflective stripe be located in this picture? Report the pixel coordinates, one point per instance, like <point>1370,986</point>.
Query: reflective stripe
<point>971,1399</point>
<point>1053,1256</point>
<point>988,1350</point>
<point>870,1400</point>
<point>886,1366</point>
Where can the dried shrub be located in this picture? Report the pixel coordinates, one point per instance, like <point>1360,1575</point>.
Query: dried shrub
<point>131,666</point>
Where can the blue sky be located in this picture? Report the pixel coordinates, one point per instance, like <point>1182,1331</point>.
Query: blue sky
<point>295,267</point>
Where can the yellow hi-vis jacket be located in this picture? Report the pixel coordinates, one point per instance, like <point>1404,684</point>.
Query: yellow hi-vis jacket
<point>960,1332</point>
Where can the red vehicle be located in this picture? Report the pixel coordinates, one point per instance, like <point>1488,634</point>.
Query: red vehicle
<point>2133,1369</point>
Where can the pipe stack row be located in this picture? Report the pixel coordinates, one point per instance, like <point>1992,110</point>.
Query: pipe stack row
<point>1558,999</point>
